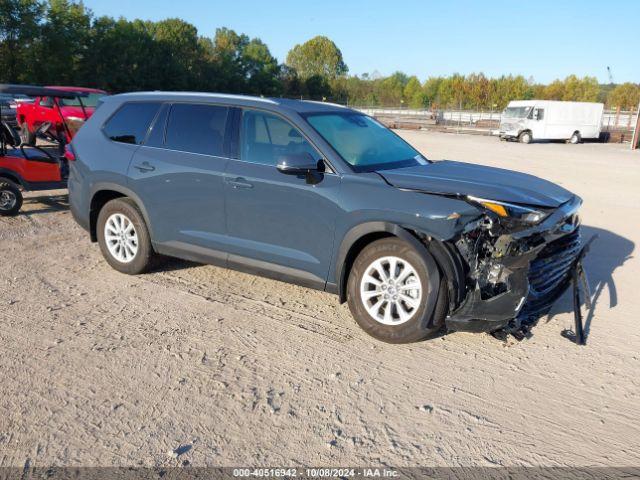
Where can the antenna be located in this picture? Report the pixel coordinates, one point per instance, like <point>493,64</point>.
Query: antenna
<point>610,76</point>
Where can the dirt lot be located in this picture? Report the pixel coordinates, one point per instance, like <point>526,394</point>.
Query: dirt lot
<point>98,368</point>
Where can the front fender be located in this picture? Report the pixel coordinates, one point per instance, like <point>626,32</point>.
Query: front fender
<point>342,264</point>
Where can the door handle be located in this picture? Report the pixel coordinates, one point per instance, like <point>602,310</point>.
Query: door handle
<point>239,182</point>
<point>145,167</point>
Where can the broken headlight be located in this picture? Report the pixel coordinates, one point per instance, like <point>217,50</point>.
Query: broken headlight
<point>521,213</point>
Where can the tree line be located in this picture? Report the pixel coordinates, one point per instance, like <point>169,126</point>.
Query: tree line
<point>62,42</point>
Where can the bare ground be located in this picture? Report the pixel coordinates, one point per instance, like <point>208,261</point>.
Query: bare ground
<point>102,369</point>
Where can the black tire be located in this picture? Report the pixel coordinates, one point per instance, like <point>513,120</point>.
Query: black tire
<point>525,137</point>
<point>10,198</point>
<point>144,259</point>
<point>428,318</point>
<point>26,136</point>
<point>575,138</point>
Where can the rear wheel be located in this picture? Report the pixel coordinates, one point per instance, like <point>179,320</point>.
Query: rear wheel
<point>124,238</point>
<point>390,292</point>
<point>575,138</point>
<point>26,136</point>
<point>10,198</point>
<point>525,137</point>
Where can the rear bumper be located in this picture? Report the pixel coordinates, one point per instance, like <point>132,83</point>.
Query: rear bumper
<point>535,266</point>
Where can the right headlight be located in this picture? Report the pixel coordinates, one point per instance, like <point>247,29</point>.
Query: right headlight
<point>524,214</point>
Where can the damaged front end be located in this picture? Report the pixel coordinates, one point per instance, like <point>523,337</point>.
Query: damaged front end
<point>515,271</point>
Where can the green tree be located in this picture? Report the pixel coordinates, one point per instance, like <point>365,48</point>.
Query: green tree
<point>580,89</point>
<point>121,56</point>
<point>176,53</point>
<point>19,30</point>
<point>317,57</point>
<point>61,50</point>
<point>413,95</point>
<point>260,68</point>
<point>625,96</point>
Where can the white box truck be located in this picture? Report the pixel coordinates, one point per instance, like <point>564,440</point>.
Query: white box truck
<point>528,120</point>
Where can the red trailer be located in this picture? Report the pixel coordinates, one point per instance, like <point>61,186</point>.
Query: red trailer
<point>31,168</point>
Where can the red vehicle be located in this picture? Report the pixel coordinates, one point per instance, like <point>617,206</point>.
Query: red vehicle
<point>28,168</point>
<point>57,116</point>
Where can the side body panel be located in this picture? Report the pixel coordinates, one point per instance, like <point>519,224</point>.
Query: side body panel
<point>281,219</point>
<point>183,195</point>
<point>368,201</point>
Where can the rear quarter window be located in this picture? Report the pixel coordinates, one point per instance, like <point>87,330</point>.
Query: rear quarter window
<point>131,122</point>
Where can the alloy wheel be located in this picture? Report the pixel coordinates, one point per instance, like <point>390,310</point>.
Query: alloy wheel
<point>121,238</point>
<point>7,200</point>
<point>391,291</point>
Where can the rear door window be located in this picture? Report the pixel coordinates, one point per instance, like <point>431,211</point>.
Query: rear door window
<point>197,128</point>
<point>131,122</point>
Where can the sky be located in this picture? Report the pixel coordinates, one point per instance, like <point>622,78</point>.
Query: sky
<point>542,39</point>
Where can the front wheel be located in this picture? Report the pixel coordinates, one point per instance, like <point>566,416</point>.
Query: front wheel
<point>525,137</point>
<point>124,238</point>
<point>10,198</point>
<point>395,293</point>
<point>575,138</point>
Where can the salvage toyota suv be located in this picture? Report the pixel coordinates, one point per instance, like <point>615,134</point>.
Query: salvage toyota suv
<point>326,197</point>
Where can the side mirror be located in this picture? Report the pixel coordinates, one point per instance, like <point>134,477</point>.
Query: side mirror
<point>297,164</point>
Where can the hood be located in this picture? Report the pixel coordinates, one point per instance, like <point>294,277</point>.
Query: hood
<point>76,111</point>
<point>458,178</point>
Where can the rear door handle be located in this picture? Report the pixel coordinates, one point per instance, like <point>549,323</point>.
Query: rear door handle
<point>239,182</point>
<point>145,167</point>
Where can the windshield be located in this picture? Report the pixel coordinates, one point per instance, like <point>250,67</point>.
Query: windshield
<point>89,101</point>
<point>516,112</point>
<point>363,142</point>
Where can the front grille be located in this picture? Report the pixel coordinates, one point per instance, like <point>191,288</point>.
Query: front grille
<point>549,273</point>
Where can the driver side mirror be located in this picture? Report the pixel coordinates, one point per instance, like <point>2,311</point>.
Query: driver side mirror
<point>301,164</point>
<point>297,163</point>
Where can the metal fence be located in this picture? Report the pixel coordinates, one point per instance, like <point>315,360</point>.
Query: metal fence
<point>617,125</point>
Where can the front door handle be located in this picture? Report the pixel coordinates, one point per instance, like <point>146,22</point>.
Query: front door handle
<point>239,182</point>
<point>145,167</point>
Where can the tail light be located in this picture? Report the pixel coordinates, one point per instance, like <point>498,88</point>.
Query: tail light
<point>69,154</point>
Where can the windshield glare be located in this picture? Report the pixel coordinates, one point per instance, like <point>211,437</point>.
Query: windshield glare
<point>89,101</point>
<point>363,142</point>
<point>517,112</point>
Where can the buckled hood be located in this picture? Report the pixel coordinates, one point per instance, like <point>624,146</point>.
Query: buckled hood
<point>457,178</point>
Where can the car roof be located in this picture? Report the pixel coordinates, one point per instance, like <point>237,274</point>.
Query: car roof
<point>272,103</point>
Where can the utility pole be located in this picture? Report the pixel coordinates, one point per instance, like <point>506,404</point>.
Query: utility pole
<point>635,139</point>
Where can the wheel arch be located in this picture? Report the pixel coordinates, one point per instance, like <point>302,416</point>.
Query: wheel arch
<point>362,235</point>
<point>104,193</point>
<point>12,176</point>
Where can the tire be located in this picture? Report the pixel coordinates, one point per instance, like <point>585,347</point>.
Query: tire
<point>10,198</point>
<point>26,136</point>
<point>126,259</point>
<point>424,320</point>
<point>575,138</point>
<point>525,137</point>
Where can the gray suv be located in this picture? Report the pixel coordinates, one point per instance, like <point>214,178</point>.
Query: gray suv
<point>325,197</point>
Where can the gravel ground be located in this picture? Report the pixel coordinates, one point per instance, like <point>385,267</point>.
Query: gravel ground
<point>103,369</point>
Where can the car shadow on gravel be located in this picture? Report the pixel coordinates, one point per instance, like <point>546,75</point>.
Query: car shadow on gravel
<point>48,204</point>
<point>607,253</point>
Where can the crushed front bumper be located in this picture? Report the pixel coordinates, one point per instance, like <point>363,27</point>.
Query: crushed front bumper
<point>535,267</point>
